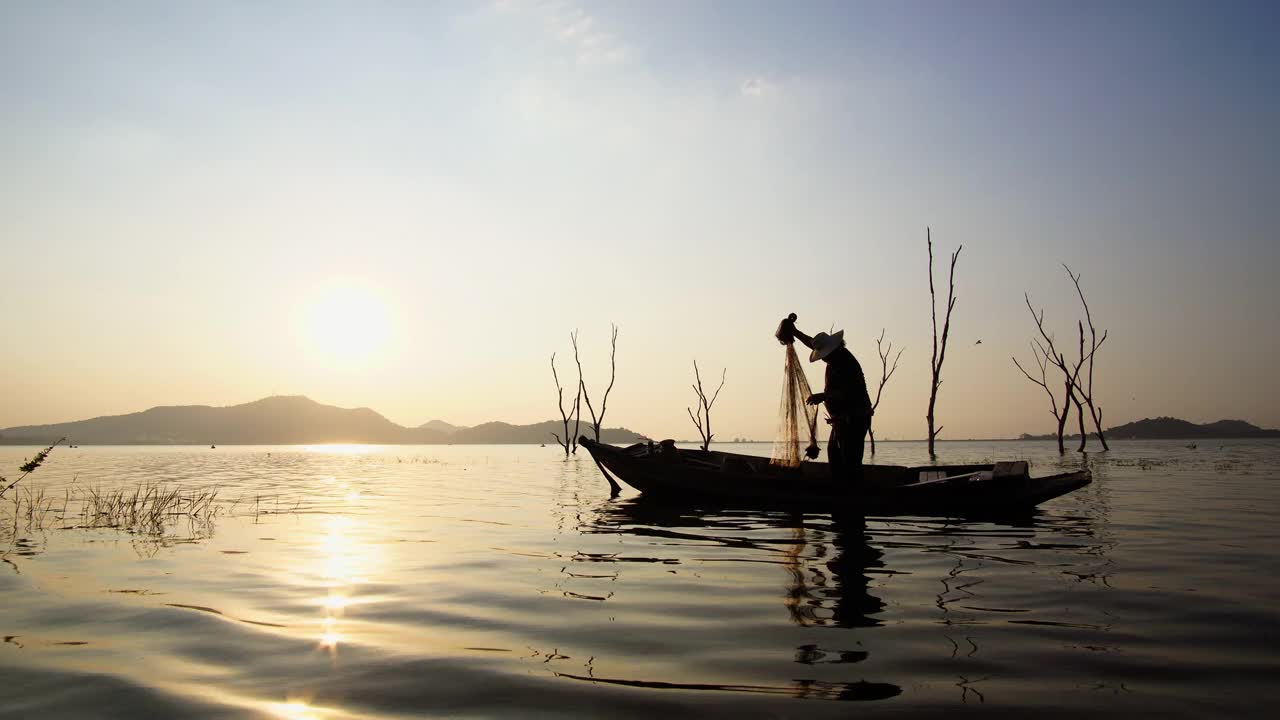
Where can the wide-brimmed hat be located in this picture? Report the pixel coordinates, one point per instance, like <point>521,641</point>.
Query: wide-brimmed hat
<point>824,344</point>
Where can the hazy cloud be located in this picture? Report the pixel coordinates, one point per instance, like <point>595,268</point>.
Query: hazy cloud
<point>758,86</point>
<point>572,26</point>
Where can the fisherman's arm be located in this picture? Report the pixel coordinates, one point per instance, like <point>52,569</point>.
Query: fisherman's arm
<point>816,398</point>
<point>805,339</point>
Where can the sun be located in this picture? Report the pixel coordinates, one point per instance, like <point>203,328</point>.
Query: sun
<point>347,324</point>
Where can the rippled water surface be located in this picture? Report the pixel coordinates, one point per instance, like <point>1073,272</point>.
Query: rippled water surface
<point>503,581</point>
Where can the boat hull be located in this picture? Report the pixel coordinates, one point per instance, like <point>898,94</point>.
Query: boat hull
<point>718,479</point>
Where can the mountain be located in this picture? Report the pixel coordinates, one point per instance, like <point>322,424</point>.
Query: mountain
<point>441,426</point>
<point>1167,428</point>
<point>497,433</point>
<point>1175,429</point>
<point>281,420</point>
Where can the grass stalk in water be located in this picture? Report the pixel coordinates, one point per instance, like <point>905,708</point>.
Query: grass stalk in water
<point>28,468</point>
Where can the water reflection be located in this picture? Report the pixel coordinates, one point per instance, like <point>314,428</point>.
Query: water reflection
<point>462,588</point>
<point>811,689</point>
<point>835,573</point>
<point>345,562</point>
<point>828,562</point>
<point>835,590</point>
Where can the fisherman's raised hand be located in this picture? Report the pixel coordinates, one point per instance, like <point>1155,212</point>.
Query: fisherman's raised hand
<point>786,330</point>
<point>816,398</point>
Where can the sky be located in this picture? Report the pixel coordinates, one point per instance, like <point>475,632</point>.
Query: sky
<point>409,206</point>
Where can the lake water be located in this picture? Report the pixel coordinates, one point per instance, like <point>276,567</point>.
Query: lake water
<point>470,581</point>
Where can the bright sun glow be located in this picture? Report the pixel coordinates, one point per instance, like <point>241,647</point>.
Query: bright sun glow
<point>347,325</point>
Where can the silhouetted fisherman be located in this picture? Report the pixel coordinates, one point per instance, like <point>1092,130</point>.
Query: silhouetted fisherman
<point>845,396</point>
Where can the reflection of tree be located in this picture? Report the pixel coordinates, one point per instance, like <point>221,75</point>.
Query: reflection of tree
<point>956,586</point>
<point>1096,526</point>
<point>1068,542</point>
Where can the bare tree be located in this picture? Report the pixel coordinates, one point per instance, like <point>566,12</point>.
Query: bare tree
<point>1085,390</point>
<point>1070,374</point>
<point>596,422</point>
<point>1041,356</point>
<point>1075,394</point>
<point>702,418</point>
<point>939,352</point>
<point>570,441</point>
<point>886,372</point>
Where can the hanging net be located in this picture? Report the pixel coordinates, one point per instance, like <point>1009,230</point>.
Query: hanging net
<point>792,413</point>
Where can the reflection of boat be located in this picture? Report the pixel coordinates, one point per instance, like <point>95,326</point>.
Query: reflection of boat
<point>829,561</point>
<point>849,585</point>
<point>675,474</point>
<point>811,689</point>
<point>830,587</point>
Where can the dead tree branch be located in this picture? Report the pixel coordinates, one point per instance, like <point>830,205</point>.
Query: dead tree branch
<point>939,350</point>
<point>886,372</point>
<point>570,441</point>
<point>1075,395</point>
<point>1085,391</point>
<point>1041,356</point>
<point>1071,375</point>
<point>596,422</point>
<point>702,417</point>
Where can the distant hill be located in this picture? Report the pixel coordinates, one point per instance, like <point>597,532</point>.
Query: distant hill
<point>281,420</point>
<point>441,427</point>
<point>495,433</point>
<point>1167,428</point>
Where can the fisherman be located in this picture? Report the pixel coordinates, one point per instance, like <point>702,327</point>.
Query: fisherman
<point>845,396</point>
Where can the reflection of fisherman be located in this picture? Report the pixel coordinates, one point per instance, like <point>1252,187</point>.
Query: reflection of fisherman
<point>852,557</point>
<point>846,399</point>
<point>843,597</point>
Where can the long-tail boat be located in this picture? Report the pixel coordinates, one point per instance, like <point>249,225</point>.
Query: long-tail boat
<point>681,475</point>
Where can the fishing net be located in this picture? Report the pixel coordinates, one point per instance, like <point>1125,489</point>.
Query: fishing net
<point>793,411</point>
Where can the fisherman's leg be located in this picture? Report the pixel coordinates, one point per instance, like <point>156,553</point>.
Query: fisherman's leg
<point>854,445</point>
<point>835,456</point>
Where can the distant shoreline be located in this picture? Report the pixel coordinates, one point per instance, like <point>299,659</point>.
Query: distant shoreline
<point>298,420</point>
<point>23,443</point>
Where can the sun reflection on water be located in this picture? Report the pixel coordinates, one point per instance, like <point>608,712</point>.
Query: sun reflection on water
<point>295,710</point>
<point>345,564</point>
<point>336,602</point>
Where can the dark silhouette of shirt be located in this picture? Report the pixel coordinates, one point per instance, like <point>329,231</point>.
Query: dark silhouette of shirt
<point>845,394</point>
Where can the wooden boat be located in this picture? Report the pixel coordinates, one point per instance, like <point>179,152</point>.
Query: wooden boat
<point>662,470</point>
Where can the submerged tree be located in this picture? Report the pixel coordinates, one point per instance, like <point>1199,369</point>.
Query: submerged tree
<point>1048,350</point>
<point>702,416</point>
<point>597,421</point>
<point>1077,381</point>
<point>570,441</point>
<point>939,349</point>
<point>1041,356</point>
<point>886,372</point>
<point>1085,391</point>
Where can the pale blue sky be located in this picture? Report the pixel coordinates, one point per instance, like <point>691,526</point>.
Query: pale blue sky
<point>184,183</point>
